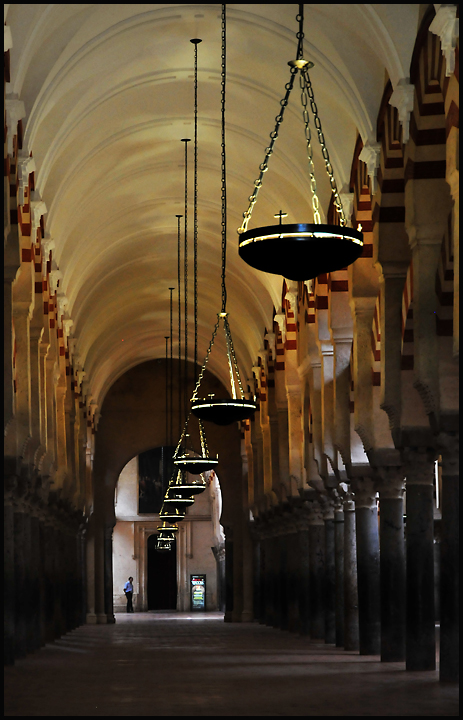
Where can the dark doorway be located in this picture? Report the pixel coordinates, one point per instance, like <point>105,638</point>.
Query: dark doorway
<point>162,577</point>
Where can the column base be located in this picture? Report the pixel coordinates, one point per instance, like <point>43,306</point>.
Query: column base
<point>246,616</point>
<point>102,619</point>
<point>90,619</point>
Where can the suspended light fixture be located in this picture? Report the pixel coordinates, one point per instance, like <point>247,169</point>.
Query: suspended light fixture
<point>163,545</point>
<point>223,411</point>
<point>300,251</point>
<point>167,532</point>
<point>186,459</point>
<point>171,515</point>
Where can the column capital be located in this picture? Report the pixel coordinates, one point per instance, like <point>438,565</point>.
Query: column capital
<point>365,492</point>
<point>448,444</point>
<point>390,481</point>
<point>419,465</point>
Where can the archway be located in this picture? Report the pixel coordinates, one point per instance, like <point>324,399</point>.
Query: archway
<point>161,576</point>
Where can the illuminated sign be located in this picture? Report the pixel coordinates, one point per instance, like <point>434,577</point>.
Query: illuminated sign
<point>198,592</point>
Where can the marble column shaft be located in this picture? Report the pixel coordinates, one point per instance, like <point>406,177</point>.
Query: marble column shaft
<point>20,584</point>
<point>304,578</point>
<point>9,583</point>
<point>316,573</point>
<point>420,635</point>
<point>339,575</point>
<point>108,574</point>
<point>392,563</point>
<point>330,582</point>
<point>449,574</point>
<point>293,581</point>
<point>351,618</point>
<point>368,582</point>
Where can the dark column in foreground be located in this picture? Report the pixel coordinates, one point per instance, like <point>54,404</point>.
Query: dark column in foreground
<point>392,562</point>
<point>351,619</point>
<point>420,637</point>
<point>449,573</point>
<point>339,571</point>
<point>367,537</point>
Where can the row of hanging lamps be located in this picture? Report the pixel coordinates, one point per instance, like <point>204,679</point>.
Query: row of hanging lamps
<point>300,251</point>
<point>223,411</point>
<point>189,460</point>
<point>182,490</point>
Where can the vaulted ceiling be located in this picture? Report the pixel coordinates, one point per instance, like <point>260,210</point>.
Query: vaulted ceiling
<point>108,93</point>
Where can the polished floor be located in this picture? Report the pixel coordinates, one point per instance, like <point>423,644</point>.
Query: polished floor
<point>162,663</point>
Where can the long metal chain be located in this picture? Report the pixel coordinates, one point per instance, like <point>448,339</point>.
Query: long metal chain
<point>224,177</point>
<point>179,325</point>
<point>306,96</point>
<point>317,122</point>
<point>263,167</point>
<point>232,351</point>
<point>185,278</point>
<point>308,137</point>
<point>201,373</point>
<point>195,212</point>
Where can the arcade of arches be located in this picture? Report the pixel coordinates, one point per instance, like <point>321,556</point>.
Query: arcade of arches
<point>340,496</point>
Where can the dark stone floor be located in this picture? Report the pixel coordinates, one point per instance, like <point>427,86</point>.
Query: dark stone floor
<point>195,664</point>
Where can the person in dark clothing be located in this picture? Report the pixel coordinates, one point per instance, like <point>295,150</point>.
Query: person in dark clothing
<point>128,589</point>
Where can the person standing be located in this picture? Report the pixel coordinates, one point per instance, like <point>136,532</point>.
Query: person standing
<point>128,589</point>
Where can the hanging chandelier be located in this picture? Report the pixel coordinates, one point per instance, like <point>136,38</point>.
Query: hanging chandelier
<point>223,411</point>
<point>300,251</point>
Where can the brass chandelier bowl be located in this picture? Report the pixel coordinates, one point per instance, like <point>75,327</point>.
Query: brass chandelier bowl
<point>223,411</point>
<point>300,251</point>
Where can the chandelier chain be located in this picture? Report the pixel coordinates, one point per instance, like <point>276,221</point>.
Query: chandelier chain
<point>201,374</point>
<point>185,273</point>
<point>179,325</point>
<point>223,183</point>
<point>308,137</point>
<point>232,351</point>
<point>263,167</point>
<point>305,81</point>
<point>195,213</point>
<point>307,96</point>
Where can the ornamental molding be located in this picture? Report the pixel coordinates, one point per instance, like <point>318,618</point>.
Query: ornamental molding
<point>280,319</point>
<point>26,166</point>
<point>347,201</point>
<point>370,155</point>
<point>38,208</point>
<point>403,98</point>
<point>55,277</point>
<point>447,26</point>
<point>14,112</point>
<point>7,38</point>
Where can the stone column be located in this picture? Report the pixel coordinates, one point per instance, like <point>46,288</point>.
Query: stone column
<point>367,536</point>
<point>108,573</point>
<point>316,572</point>
<point>9,593</point>
<point>420,648</point>
<point>302,525</point>
<point>351,617</point>
<point>330,572</point>
<point>392,562</point>
<point>339,570</point>
<point>49,580</point>
<point>449,573</point>
<point>282,577</point>
<point>35,635</point>
<point>90,573</point>
<point>228,573</point>
<point>20,585</point>
<point>256,599</point>
<point>293,590</point>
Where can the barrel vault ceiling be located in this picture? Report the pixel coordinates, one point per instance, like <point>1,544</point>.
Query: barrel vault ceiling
<point>108,94</point>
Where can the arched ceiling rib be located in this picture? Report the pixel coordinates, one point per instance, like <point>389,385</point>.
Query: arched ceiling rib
<point>108,92</point>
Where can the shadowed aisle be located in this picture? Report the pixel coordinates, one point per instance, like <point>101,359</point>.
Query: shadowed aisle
<point>195,664</point>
